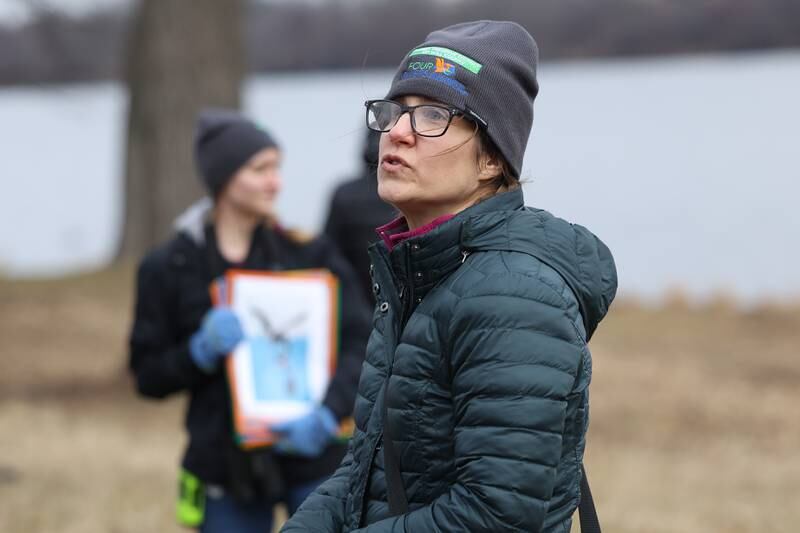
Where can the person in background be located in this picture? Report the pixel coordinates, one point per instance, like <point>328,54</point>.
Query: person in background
<point>178,340</point>
<point>473,403</point>
<point>355,211</point>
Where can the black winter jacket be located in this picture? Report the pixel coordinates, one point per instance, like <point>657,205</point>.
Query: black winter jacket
<point>172,296</point>
<point>355,211</point>
<point>479,353</point>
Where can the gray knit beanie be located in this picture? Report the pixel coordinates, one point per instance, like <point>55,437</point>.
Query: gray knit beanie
<point>487,69</point>
<point>224,141</point>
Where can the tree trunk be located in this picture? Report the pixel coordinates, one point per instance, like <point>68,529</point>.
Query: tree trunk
<point>183,55</point>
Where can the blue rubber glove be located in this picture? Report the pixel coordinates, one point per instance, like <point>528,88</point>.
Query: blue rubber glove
<point>218,335</point>
<point>308,435</point>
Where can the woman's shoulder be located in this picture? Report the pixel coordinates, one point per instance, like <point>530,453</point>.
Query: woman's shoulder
<point>496,268</point>
<point>176,251</point>
<point>505,276</point>
<point>534,255</point>
<point>161,267</point>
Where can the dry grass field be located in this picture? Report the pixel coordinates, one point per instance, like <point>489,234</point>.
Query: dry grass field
<point>694,427</point>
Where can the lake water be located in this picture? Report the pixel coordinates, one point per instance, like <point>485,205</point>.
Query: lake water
<point>685,166</point>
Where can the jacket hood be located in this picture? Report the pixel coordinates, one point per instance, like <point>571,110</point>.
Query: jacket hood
<point>191,222</point>
<point>585,263</point>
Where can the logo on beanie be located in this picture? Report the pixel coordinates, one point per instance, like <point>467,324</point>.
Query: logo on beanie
<point>439,67</point>
<point>445,68</point>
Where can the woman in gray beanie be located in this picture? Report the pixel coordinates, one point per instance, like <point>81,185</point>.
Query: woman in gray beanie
<point>472,407</point>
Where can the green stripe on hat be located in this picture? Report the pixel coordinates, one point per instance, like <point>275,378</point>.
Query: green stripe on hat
<point>451,55</point>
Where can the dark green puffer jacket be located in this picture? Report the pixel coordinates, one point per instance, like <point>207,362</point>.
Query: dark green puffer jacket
<point>481,329</point>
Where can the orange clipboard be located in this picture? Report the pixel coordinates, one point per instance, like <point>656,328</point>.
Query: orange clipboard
<point>251,424</point>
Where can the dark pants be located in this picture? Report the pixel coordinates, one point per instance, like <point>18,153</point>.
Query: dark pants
<point>226,515</point>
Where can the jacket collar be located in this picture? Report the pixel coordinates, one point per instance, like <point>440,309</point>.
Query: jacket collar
<point>397,230</point>
<point>421,261</point>
<point>193,220</point>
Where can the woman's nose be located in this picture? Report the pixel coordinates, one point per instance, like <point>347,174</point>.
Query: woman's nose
<point>274,181</point>
<point>402,130</point>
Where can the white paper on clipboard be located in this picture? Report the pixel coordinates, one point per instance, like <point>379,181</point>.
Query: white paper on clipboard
<point>282,369</point>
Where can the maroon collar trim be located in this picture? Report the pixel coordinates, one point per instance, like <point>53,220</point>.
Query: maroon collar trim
<point>397,230</point>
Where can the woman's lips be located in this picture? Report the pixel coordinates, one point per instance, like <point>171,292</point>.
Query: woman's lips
<point>393,163</point>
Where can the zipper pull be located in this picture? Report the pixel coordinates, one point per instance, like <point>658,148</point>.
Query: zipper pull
<point>402,291</point>
<point>464,255</point>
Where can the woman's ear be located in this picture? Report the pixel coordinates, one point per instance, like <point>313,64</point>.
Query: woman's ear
<point>489,167</point>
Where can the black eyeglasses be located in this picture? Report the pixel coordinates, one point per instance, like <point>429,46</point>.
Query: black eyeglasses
<point>427,120</point>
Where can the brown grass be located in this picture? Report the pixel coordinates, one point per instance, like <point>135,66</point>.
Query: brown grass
<point>693,422</point>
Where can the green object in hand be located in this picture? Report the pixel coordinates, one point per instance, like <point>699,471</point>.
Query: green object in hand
<point>191,500</point>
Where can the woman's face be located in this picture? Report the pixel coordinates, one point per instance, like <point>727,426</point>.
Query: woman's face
<point>255,186</point>
<point>437,175</point>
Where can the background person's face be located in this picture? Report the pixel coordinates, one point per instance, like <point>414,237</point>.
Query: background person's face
<point>255,187</point>
<point>428,173</point>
